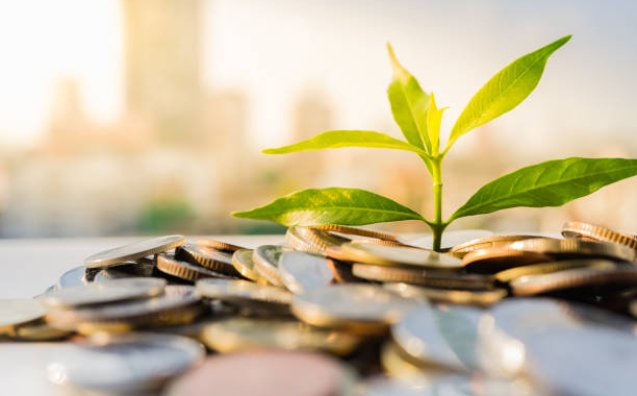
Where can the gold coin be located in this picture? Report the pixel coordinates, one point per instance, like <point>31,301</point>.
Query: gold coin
<point>342,271</point>
<point>312,240</point>
<point>510,275</point>
<point>495,259</point>
<point>233,290</point>
<point>458,297</point>
<point>38,331</point>
<point>359,308</point>
<point>439,279</point>
<point>134,251</point>
<point>340,229</point>
<point>16,312</point>
<point>266,262</point>
<point>576,229</point>
<point>184,270</point>
<point>242,262</point>
<point>212,259</point>
<point>397,256</point>
<point>236,335</point>
<point>487,242</point>
<point>396,363</point>
<point>573,248</point>
<point>218,245</point>
<point>529,285</point>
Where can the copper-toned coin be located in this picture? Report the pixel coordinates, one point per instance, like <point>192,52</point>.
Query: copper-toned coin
<point>362,232</point>
<point>342,271</point>
<point>16,312</point>
<point>241,334</point>
<point>266,262</point>
<point>266,373</point>
<point>573,278</point>
<point>574,248</point>
<point>576,229</point>
<point>512,274</point>
<point>482,298</point>
<point>301,271</point>
<point>398,256</point>
<point>212,259</point>
<point>487,242</point>
<point>184,270</point>
<point>134,251</point>
<point>243,263</point>
<point>440,279</point>
<point>218,245</point>
<point>495,259</point>
<point>312,240</point>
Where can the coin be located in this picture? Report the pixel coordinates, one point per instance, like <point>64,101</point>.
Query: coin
<point>73,277</point>
<point>573,278</point>
<point>178,305</point>
<point>397,363</point>
<point>302,271</point>
<point>374,254</point>
<point>266,373</point>
<point>234,335</point>
<point>109,274</point>
<point>342,271</point>
<point>459,297</point>
<point>509,275</point>
<point>104,292</point>
<point>38,331</point>
<point>233,290</point>
<point>439,279</point>
<point>134,251</point>
<point>495,259</point>
<point>143,267</point>
<point>16,312</point>
<point>266,262</point>
<point>576,229</point>
<point>574,248</point>
<point>487,242</point>
<point>312,240</point>
<point>184,270</point>
<point>212,259</point>
<point>242,262</point>
<point>124,364</point>
<point>218,245</point>
<point>361,308</point>
<point>341,229</point>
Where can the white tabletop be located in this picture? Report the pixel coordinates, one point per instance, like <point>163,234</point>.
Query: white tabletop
<point>27,268</point>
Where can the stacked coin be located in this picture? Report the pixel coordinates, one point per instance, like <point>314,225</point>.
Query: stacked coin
<point>345,305</point>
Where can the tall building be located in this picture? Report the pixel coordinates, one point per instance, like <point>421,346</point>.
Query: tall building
<point>162,52</point>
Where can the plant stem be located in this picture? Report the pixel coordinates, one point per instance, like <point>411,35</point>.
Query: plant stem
<point>437,226</point>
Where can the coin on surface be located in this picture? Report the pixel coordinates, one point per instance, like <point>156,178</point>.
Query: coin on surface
<point>574,278</point>
<point>361,232</point>
<point>184,270</point>
<point>178,305</point>
<point>212,259</point>
<point>576,229</point>
<point>134,251</point>
<point>104,292</point>
<point>218,245</point>
<point>266,262</point>
<point>266,373</point>
<point>396,363</point>
<point>235,290</point>
<point>487,242</point>
<point>124,364</point>
<point>495,259</point>
<point>15,312</point>
<point>240,334</point>
<point>302,271</point>
<point>38,331</point>
<point>510,275</point>
<point>73,277</point>
<point>242,262</point>
<point>374,254</point>
<point>574,248</point>
<point>481,298</point>
<point>312,240</point>
<point>342,271</point>
<point>361,308</point>
<point>423,277</point>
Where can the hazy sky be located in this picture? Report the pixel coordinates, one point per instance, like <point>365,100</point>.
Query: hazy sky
<point>277,49</point>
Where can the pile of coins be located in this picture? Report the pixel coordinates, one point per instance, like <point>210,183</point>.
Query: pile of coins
<point>339,311</point>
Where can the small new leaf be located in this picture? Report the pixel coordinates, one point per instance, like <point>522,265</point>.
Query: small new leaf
<point>434,118</point>
<point>346,206</point>
<point>504,91</point>
<point>550,183</point>
<point>339,139</point>
<point>409,104</point>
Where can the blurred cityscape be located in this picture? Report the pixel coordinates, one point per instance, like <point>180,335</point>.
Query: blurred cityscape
<point>179,158</point>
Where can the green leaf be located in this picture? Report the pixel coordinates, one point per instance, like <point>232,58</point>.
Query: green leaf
<point>339,139</point>
<point>504,91</point>
<point>434,118</point>
<point>550,183</point>
<point>345,206</point>
<point>409,104</point>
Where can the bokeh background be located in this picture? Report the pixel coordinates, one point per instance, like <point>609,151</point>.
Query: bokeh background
<point>126,117</point>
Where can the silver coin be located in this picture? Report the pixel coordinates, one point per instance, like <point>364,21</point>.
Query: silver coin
<point>128,364</point>
<point>302,271</point>
<point>104,292</point>
<point>73,277</point>
<point>266,262</point>
<point>134,251</point>
<point>15,312</point>
<point>232,290</point>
